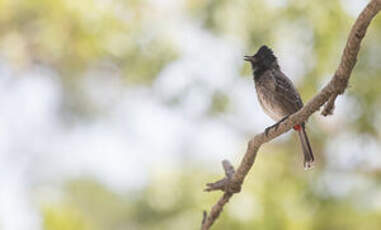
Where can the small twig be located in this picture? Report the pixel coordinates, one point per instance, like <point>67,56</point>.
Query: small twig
<point>224,182</point>
<point>329,106</point>
<point>204,215</point>
<point>233,181</point>
<point>229,169</point>
<point>218,185</point>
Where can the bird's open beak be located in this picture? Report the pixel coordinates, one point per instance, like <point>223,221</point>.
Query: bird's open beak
<point>249,58</point>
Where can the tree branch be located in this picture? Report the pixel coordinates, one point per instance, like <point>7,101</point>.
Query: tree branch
<point>233,181</point>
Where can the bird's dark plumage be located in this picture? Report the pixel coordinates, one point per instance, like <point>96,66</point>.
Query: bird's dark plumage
<point>263,60</point>
<point>276,93</point>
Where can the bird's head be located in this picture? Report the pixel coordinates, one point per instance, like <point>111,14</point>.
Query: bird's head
<point>264,58</point>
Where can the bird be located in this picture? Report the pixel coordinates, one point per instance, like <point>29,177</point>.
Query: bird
<point>277,95</point>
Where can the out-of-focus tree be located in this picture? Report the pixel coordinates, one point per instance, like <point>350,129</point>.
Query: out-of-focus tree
<point>72,36</point>
<point>276,196</point>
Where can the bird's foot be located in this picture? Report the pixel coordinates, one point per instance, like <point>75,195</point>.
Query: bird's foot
<point>275,125</point>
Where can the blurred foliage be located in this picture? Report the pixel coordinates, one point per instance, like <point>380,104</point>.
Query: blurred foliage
<point>276,195</point>
<point>71,36</point>
<point>65,218</point>
<point>219,103</point>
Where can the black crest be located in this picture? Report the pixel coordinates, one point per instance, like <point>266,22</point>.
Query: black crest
<point>264,51</point>
<point>263,60</point>
<point>265,56</point>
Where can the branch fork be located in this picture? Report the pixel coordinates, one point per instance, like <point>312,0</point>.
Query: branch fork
<point>225,184</point>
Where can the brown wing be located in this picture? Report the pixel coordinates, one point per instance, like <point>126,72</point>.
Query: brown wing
<point>286,92</point>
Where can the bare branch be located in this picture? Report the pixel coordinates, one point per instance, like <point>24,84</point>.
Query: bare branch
<point>337,85</point>
<point>216,211</point>
<point>351,50</point>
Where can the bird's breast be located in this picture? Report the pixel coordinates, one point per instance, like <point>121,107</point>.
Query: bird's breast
<point>269,103</point>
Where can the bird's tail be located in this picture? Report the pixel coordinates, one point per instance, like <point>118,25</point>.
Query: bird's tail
<point>307,151</point>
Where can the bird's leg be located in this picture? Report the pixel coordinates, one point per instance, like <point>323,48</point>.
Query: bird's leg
<point>275,125</point>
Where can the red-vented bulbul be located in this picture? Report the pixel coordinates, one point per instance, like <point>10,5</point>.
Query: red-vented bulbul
<point>277,95</point>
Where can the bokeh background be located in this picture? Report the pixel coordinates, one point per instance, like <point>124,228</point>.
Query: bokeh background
<point>115,113</point>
